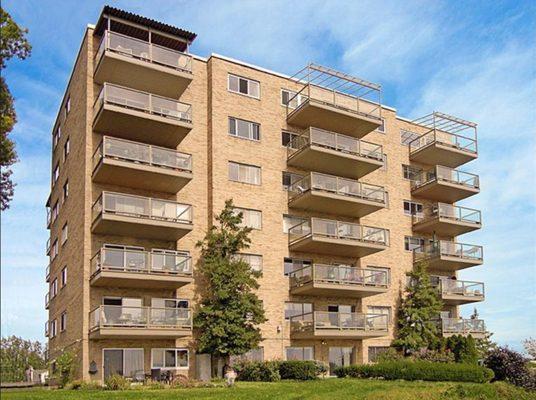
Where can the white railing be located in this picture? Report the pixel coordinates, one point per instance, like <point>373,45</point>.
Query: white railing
<point>339,321</point>
<point>144,51</point>
<point>107,316</point>
<point>448,211</point>
<point>142,207</point>
<point>335,141</point>
<point>455,287</point>
<point>142,101</point>
<point>443,248</point>
<point>339,275</point>
<point>141,153</point>
<point>338,230</point>
<point>440,173</point>
<point>461,326</point>
<point>337,185</point>
<point>449,139</point>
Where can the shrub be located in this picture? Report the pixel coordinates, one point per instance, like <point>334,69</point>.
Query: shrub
<point>267,371</point>
<point>463,348</point>
<point>418,370</point>
<point>116,382</point>
<point>433,356</point>
<point>509,365</point>
<point>64,368</point>
<point>299,370</point>
<point>391,354</point>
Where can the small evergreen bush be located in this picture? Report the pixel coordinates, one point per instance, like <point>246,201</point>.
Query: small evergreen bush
<point>116,382</point>
<point>267,371</point>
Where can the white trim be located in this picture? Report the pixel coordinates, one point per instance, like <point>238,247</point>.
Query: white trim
<point>171,348</point>
<point>248,80</point>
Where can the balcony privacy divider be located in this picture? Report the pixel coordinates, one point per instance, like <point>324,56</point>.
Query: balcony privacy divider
<point>108,316</point>
<point>339,275</point>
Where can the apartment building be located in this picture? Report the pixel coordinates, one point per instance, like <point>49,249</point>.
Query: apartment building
<point>343,196</point>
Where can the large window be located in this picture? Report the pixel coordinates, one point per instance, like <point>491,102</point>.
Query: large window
<point>54,288</point>
<point>56,173</point>
<point>244,129</point>
<point>292,309</point>
<point>64,276</point>
<point>289,178</point>
<point>299,353</point>
<point>287,138</point>
<point>66,148</point>
<point>253,260</point>
<point>292,264</point>
<point>406,137</point>
<point>53,328</point>
<point>244,173</point>
<point>56,136</point>
<point>289,221</point>
<point>375,351</point>
<point>412,208</point>
<point>250,218</point>
<point>244,86</point>
<point>169,358</point>
<point>54,250</point>
<point>124,362</point>
<point>411,243</point>
<point>65,190</point>
<point>381,310</point>
<point>409,172</point>
<point>63,321</point>
<point>289,97</point>
<point>64,233</point>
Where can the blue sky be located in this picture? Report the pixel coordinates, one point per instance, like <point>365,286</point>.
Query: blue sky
<point>475,60</point>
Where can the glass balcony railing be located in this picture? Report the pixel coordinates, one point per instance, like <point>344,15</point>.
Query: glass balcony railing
<point>338,230</point>
<point>108,316</point>
<point>337,142</point>
<point>47,273</point>
<point>144,51</point>
<point>449,175</point>
<point>443,248</point>
<point>454,287</point>
<point>142,101</point>
<point>338,321</point>
<point>449,139</point>
<point>461,326</point>
<point>47,299</point>
<point>134,261</point>
<point>141,153</point>
<point>339,275</point>
<point>142,207</point>
<point>448,211</point>
<point>48,246</point>
<point>336,185</point>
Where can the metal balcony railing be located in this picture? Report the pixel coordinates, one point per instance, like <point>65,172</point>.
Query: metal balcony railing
<point>166,262</point>
<point>142,101</point>
<point>47,273</point>
<point>47,299</point>
<point>339,275</point>
<point>48,246</point>
<point>337,142</point>
<point>142,207</point>
<point>461,326</point>
<point>144,51</point>
<point>455,287</point>
<point>338,230</point>
<point>107,316</point>
<point>336,185</point>
<point>339,321</point>
<point>443,248</point>
<point>141,153</point>
<point>448,211</point>
<point>448,139</point>
<point>440,173</point>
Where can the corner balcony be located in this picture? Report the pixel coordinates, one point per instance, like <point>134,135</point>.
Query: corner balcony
<point>165,269</point>
<point>137,165</point>
<point>338,325</point>
<point>129,322</point>
<point>333,195</point>
<point>324,236</point>
<point>337,281</point>
<point>449,256</point>
<point>465,327</point>
<point>145,66</point>
<point>141,116</point>
<point>455,292</point>
<point>445,185</point>
<point>332,153</point>
<point>447,220</point>
<point>141,217</point>
<point>331,100</point>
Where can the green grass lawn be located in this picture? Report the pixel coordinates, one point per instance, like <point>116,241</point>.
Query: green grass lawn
<point>341,389</point>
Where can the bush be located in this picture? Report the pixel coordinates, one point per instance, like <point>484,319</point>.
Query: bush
<point>267,371</point>
<point>116,382</point>
<point>65,368</point>
<point>418,370</point>
<point>299,370</point>
<point>433,356</point>
<point>509,365</point>
<point>463,348</point>
<point>390,354</point>
<point>272,371</point>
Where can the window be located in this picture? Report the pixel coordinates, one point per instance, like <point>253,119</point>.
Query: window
<point>289,221</point>
<point>381,310</point>
<point>65,190</point>
<point>125,362</point>
<point>299,353</point>
<point>56,174</point>
<point>384,165</point>
<point>412,208</point>
<point>253,260</point>
<point>245,86</point>
<point>250,218</point>
<point>64,276</point>
<point>66,149</point>
<point>56,136</point>
<point>53,328</point>
<point>289,97</point>
<point>292,264</point>
<point>254,355</point>
<point>64,233</point>
<point>289,178</point>
<point>244,129</point>
<point>406,137</point>
<point>67,105</point>
<point>375,351</point>
<point>170,303</point>
<point>292,309</point>
<point>409,172</point>
<point>244,173</point>
<point>55,212</point>
<point>63,321</point>
<point>169,358</point>
<point>54,250</point>
<point>288,137</point>
<point>54,288</point>
<point>381,128</point>
<point>411,243</point>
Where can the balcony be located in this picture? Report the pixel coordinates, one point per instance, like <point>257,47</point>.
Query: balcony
<point>465,327</point>
<point>331,100</point>
<point>48,246</point>
<point>337,281</point>
<point>338,325</point>
<point>332,153</point>
<point>445,185</point>
<point>455,292</point>
<point>47,273</point>
<point>118,267</point>
<point>333,195</point>
<point>324,236</point>
<point>140,116</point>
<point>145,66</point>
<point>444,144</point>
<point>142,217</point>
<point>124,322</point>
<point>447,220</point>
<point>47,300</point>
<point>449,256</point>
<point>137,165</point>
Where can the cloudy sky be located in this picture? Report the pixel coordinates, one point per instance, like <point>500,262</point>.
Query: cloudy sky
<point>475,60</point>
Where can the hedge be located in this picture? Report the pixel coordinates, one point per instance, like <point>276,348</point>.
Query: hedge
<point>300,370</point>
<point>418,370</point>
<point>272,371</point>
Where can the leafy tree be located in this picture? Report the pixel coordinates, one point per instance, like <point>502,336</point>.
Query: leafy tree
<point>418,312</point>
<point>530,347</point>
<point>65,368</point>
<point>13,43</point>
<point>230,311</point>
<point>16,355</point>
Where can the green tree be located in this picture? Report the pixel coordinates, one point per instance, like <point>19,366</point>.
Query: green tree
<point>16,355</point>
<point>13,43</point>
<point>230,311</point>
<point>463,348</point>
<point>418,313</point>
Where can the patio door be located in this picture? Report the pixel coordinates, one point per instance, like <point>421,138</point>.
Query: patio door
<point>124,362</point>
<point>339,357</point>
<point>113,362</point>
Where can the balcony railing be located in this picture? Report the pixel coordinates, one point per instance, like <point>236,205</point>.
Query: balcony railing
<point>108,316</point>
<point>443,248</point>
<point>339,275</point>
<point>142,207</point>
<point>454,287</point>
<point>340,186</point>
<point>460,326</point>
<point>46,328</point>
<point>338,321</point>
<point>47,299</point>
<point>142,101</point>
<point>47,273</point>
<point>48,247</point>
<point>133,261</point>
<point>448,139</point>
<point>445,174</point>
<point>337,142</point>
<point>338,230</point>
<point>448,211</point>
<point>144,51</point>
<point>141,153</point>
